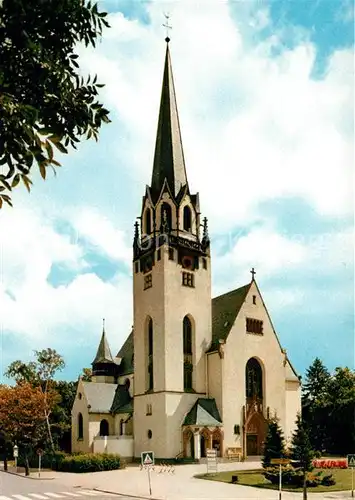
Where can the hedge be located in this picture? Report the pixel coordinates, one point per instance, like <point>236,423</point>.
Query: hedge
<point>76,462</point>
<point>89,462</point>
<point>294,477</point>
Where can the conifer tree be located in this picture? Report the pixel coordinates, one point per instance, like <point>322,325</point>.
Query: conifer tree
<point>301,450</point>
<point>274,446</point>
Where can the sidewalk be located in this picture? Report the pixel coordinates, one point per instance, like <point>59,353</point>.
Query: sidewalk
<point>181,485</point>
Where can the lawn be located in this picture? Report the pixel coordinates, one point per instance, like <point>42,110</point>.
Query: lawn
<point>255,478</point>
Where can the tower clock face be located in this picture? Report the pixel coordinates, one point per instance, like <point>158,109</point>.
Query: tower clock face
<point>187,262</point>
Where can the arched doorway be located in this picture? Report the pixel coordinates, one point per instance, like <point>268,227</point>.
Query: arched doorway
<point>217,442</point>
<point>104,428</point>
<point>189,444</point>
<point>255,422</point>
<point>202,446</point>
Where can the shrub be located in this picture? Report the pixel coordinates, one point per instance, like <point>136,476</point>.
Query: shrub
<point>294,477</point>
<point>90,462</point>
<point>328,480</point>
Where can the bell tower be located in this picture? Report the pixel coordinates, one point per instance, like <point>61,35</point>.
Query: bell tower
<point>172,292</point>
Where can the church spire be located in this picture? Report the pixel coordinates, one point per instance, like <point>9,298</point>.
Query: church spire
<point>169,161</point>
<point>103,354</point>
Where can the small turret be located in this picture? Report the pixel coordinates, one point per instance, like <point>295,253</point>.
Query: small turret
<point>104,367</point>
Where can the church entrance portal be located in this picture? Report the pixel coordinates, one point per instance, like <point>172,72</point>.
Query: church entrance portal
<point>252,444</point>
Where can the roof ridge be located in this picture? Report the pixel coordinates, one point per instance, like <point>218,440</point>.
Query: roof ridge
<point>232,291</point>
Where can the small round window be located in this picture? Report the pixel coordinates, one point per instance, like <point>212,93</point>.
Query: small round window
<point>150,434</point>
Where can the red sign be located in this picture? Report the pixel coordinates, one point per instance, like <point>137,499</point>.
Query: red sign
<point>39,451</point>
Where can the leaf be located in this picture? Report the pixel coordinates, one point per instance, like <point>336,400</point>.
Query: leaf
<point>60,147</point>
<point>49,150</point>
<point>42,169</point>
<point>0,202</point>
<point>16,180</point>
<point>27,182</point>
<point>4,182</point>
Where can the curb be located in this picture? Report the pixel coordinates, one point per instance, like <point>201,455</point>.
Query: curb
<point>127,495</point>
<point>27,477</point>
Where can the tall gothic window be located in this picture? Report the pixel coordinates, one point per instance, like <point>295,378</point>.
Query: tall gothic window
<point>148,221</point>
<point>187,218</point>
<point>80,426</point>
<point>150,354</point>
<point>166,216</point>
<point>187,348</point>
<point>104,428</point>
<point>253,379</point>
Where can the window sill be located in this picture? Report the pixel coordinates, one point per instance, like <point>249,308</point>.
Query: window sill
<point>80,439</point>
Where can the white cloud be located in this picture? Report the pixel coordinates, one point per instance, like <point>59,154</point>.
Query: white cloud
<point>34,309</point>
<point>100,231</point>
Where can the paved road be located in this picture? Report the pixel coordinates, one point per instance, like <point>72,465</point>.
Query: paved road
<point>20,488</point>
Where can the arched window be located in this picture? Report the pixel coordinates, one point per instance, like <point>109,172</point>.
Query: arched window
<point>187,218</point>
<point>80,426</point>
<point>150,354</point>
<point>166,216</point>
<point>148,221</point>
<point>187,349</point>
<point>253,379</point>
<point>121,427</point>
<point>104,428</point>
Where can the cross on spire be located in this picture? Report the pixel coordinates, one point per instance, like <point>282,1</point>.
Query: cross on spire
<point>253,273</point>
<point>167,26</point>
<point>103,324</point>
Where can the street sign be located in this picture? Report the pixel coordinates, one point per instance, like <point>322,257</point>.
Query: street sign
<point>351,461</point>
<point>15,451</point>
<point>211,455</point>
<point>147,458</point>
<point>280,461</point>
<point>39,452</point>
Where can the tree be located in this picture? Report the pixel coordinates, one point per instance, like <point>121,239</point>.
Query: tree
<point>341,411</point>
<point>45,103</point>
<point>40,374</point>
<point>274,446</point>
<point>61,414</point>
<point>301,450</point>
<point>22,416</point>
<point>315,403</point>
<point>86,375</point>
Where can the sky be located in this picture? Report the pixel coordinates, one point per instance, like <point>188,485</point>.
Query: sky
<point>265,98</point>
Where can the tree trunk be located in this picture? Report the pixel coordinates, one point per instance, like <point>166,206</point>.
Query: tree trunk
<point>47,417</point>
<point>304,484</point>
<point>5,462</point>
<point>27,466</point>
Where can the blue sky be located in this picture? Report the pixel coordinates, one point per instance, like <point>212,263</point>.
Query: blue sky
<point>265,99</point>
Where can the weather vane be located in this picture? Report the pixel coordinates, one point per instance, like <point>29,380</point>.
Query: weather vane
<point>167,26</point>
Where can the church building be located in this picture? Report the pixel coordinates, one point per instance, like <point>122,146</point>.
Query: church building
<point>195,372</point>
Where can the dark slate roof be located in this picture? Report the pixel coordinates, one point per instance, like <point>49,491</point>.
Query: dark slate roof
<point>122,401</point>
<point>103,354</point>
<point>99,396</point>
<point>126,354</point>
<point>169,160</point>
<point>203,413</point>
<point>224,311</point>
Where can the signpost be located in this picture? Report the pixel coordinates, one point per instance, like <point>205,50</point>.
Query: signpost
<point>147,460</point>
<point>39,453</point>
<point>351,465</point>
<point>280,462</point>
<point>211,455</point>
<point>15,452</point>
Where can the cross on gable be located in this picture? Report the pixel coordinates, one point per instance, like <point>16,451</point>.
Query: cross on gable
<point>253,273</point>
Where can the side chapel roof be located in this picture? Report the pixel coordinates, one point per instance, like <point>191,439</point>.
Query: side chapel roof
<point>204,413</point>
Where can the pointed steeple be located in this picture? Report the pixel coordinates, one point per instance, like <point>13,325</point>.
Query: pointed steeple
<point>103,354</point>
<point>169,161</point>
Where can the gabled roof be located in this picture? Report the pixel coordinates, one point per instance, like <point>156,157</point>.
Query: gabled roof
<point>224,311</point>
<point>99,396</point>
<point>126,353</point>
<point>169,160</point>
<point>203,413</point>
<point>103,354</point>
<point>123,401</point>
